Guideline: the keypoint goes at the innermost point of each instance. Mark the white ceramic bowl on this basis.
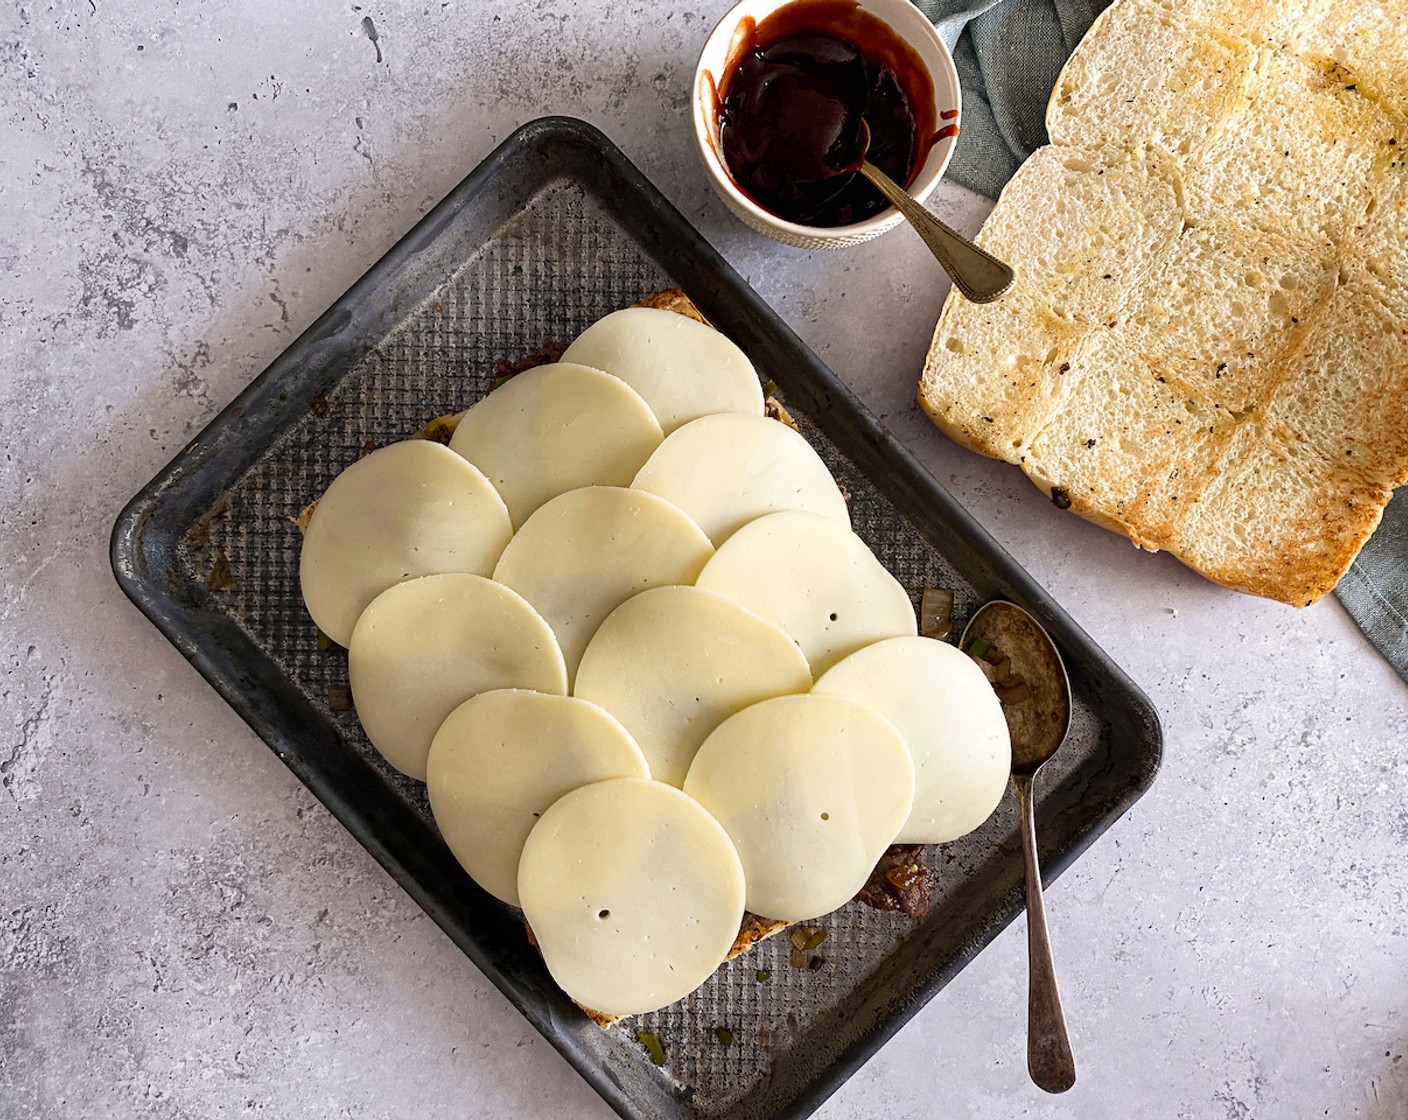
(910, 24)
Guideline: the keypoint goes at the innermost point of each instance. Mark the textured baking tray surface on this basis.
(555, 258)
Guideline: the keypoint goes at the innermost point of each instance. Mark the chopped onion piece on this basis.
(1014, 691)
(1001, 665)
(936, 613)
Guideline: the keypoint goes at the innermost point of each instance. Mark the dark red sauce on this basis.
(791, 101)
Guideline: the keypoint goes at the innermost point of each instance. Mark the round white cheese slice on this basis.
(812, 790)
(586, 552)
(501, 758)
(557, 428)
(675, 662)
(727, 469)
(814, 578)
(682, 368)
(633, 892)
(424, 647)
(950, 719)
(410, 509)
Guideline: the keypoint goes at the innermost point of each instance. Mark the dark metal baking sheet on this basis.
(553, 230)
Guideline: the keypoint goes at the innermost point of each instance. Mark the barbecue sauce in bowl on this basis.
(791, 101)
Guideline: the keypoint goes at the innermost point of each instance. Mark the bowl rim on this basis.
(923, 186)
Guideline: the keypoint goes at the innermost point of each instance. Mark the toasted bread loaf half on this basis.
(1207, 346)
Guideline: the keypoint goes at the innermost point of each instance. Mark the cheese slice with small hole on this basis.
(586, 552)
(812, 790)
(633, 892)
(410, 509)
(557, 428)
(814, 578)
(501, 758)
(951, 720)
(424, 647)
(727, 469)
(674, 662)
(683, 369)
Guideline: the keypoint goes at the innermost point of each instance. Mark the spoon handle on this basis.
(976, 273)
(1049, 1059)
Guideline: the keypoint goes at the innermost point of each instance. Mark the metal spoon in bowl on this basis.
(1038, 724)
(807, 142)
(975, 272)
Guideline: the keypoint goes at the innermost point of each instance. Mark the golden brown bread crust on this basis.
(442, 428)
(672, 299)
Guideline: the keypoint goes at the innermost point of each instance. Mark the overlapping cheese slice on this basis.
(814, 578)
(554, 429)
(586, 552)
(951, 720)
(425, 646)
(501, 758)
(683, 369)
(812, 790)
(410, 509)
(634, 894)
(727, 469)
(675, 662)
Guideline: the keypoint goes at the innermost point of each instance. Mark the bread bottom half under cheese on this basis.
(619, 733)
(753, 928)
(1207, 346)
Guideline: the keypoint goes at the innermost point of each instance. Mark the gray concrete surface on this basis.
(185, 932)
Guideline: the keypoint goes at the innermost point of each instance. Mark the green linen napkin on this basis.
(1009, 54)
(1375, 589)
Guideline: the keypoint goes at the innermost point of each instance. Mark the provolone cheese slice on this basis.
(424, 647)
(501, 758)
(554, 429)
(673, 663)
(585, 553)
(411, 509)
(812, 790)
(725, 470)
(950, 719)
(633, 892)
(814, 578)
(683, 369)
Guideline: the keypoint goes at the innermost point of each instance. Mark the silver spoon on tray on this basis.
(1036, 700)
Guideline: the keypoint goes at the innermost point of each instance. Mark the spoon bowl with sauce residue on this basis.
(780, 94)
(1030, 679)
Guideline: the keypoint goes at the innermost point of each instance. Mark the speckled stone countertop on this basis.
(185, 932)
